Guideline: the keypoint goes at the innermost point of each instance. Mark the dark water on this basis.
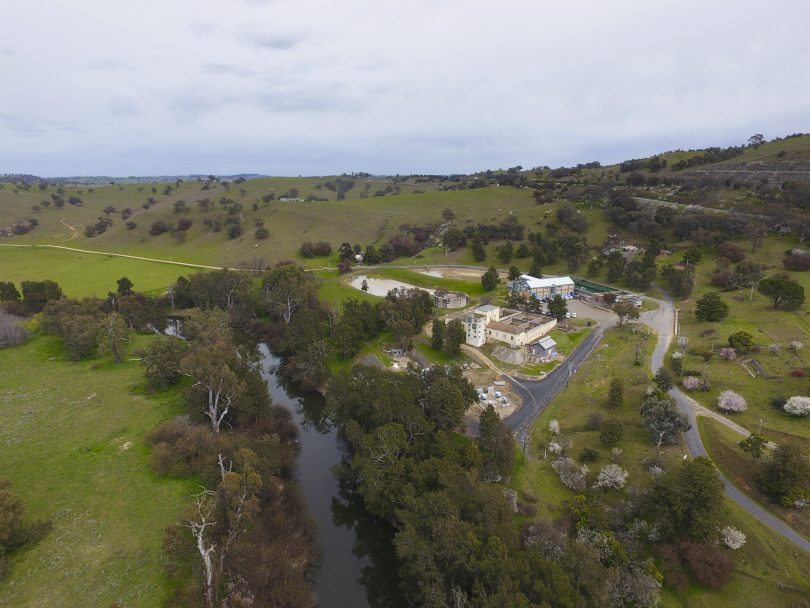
(357, 566)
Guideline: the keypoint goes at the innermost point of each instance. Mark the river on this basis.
(357, 566)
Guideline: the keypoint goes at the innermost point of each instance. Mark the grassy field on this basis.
(84, 274)
(721, 443)
(72, 443)
(768, 326)
(764, 561)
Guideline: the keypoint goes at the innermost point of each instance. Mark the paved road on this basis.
(662, 321)
(537, 394)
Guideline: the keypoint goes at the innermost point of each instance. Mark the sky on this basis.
(319, 87)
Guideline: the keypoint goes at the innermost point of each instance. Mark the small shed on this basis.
(545, 348)
(449, 299)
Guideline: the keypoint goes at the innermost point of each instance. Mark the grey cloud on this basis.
(226, 68)
(28, 125)
(111, 65)
(8, 53)
(276, 41)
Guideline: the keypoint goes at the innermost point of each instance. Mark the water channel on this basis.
(357, 566)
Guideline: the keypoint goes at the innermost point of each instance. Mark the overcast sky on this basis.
(313, 87)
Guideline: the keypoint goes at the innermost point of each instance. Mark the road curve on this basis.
(662, 321)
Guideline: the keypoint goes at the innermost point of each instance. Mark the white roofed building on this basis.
(542, 289)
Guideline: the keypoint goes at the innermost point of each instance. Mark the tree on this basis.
(729, 401)
(754, 444)
(8, 292)
(711, 308)
(161, 361)
(660, 416)
(514, 273)
(490, 279)
(570, 473)
(732, 538)
(437, 333)
(784, 293)
(454, 337)
(36, 294)
(692, 255)
(756, 140)
(218, 387)
(113, 333)
(616, 393)
(786, 476)
(557, 308)
(478, 251)
(612, 476)
(505, 252)
(124, 287)
(689, 499)
(797, 406)
(536, 270)
(497, 445)
(741, 341)
(612, 432)
(664, 379)
(625, 310)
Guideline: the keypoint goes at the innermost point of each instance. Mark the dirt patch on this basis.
(381, 287)
(125, 446)
(463, 274)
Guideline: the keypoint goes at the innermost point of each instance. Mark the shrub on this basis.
(234, 231)
(612, 476)
(261, 233)
(732, 538)
(588, 455)
(729, 401)
(798, 406)
(708, 564)
(159, 227)
(797, 262)
(711, 308)
(11, 331)
(183, 224)
(554, 427)
(594, 422)
(731, 251)
(690, 383)
(131, 225)
(728, 353)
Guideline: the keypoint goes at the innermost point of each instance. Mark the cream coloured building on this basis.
(512, 327)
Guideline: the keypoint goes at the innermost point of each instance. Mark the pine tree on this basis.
(616, 393)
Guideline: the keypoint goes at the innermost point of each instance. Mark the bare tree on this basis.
(199, 527)
(214, 379)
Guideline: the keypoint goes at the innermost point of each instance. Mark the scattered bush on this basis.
(690, 383)
(261, 233)
(159, 227)
(594, 421)
(797, 262)
(741, 341)
(612, 432)
(234, 231)
(728, 354)
(708, 563)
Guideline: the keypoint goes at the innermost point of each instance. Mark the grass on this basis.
(63, 446)
(757, 317)
(739, 467)
(83, 274)
(765, 560)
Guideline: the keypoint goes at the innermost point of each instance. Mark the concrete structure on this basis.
(450, 299)
(545, 348)
(543, 289)
(596, 293)
(513, 327)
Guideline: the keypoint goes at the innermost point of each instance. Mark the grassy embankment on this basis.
(73, 445)
(765, 561)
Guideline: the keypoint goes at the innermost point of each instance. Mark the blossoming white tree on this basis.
(611, 476)
(728, 353)
(554, 427)
(798, 406)
(729, 401)
(570, 473)
(732, 538)
(690, 383)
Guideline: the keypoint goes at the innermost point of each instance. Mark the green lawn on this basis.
(72, 444)
(85, 274)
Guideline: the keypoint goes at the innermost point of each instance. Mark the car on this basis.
(573, 315)
(568, 315)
